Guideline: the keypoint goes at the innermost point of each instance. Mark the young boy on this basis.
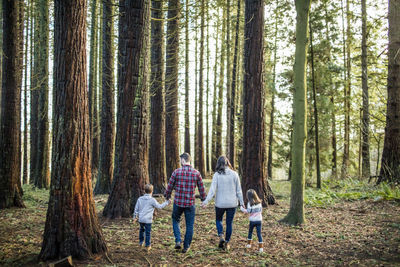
(144, 210)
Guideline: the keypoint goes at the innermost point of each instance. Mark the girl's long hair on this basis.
(252, 197)
(222, 163)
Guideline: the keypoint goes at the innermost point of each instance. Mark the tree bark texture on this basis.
(131, 135)
(107, 122)
(93, 85)
(214, 155)
(187, 121)
(253, 157)
(72, 227)
(232, 112)
(10, 127)
(228, 78)
(390, 166)
(366, 168)
(171, 87)
(42, 164)
(296, 211)
(200, 141)
(25, 144)
(157, 168)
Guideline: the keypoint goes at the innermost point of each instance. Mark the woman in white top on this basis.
(226, 187)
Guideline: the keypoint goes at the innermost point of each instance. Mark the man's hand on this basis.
(203, 205)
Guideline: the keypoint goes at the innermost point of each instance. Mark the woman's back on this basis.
(227, 189)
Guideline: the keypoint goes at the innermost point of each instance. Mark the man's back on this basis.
(184, 181)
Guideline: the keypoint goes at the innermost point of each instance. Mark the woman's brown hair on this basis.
(222, 163)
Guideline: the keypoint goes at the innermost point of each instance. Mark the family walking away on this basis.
(226, 189)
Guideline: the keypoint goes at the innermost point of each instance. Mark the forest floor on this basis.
(364, 232)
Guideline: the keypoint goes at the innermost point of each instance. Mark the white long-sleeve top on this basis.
(254, 212)
(226, 188)
(144, 208)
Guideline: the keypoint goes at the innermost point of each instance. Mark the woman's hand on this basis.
(203, 205)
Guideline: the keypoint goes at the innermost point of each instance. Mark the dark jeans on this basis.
(190, 213)
(219, 213)
(256, 224)
(145, 228)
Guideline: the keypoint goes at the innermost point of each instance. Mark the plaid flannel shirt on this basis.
(184, 181)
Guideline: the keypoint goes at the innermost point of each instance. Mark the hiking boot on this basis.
(227, 246)
(141, 244)
(248, 245)
(184, 250)
(260, 247)
(178, 246)
(221, 241)
(148, 248)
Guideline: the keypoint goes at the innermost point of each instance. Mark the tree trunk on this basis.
(187, 121)
(218, 139)
(332, 92)
(200, 141)
(296, 212)
(107, 122)
(196, 95)
(93, 85)
(232, 112)
(42, 169)
(10, 128)
(347, 98)
(214, 155)
(366, 169)
(208, 167)
(390, 166)
(158, 173)
(72, 226)
(272, 115)
(171, 87)
(228, 78)
(25, 145)
(314, 90)
(34, 106)
(253, 166)
(132, 78)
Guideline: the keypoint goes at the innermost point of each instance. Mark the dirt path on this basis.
(357, 233)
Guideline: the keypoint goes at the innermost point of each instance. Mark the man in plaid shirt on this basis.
(184, 181)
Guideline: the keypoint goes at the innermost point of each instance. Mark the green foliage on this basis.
(349, 190)
(33, 196)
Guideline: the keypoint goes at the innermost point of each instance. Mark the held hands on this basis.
(242, 208)
(203, 205)
(134, 220)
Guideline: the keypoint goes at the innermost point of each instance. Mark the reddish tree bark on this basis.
(72, 226)
(10, 131)
(253, 156)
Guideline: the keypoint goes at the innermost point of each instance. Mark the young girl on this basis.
(254, 209)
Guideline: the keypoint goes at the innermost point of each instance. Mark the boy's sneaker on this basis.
(178, 246)
(148, 248)
(184, 250)
(141, 244)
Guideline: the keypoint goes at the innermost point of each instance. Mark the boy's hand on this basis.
(134, 220)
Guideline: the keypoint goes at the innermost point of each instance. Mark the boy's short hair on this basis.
(148, 188)
(185, 156)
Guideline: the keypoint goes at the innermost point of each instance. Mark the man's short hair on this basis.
(148, 188)
(185, 156)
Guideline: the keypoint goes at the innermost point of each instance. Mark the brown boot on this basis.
(248, 245)
(260, 247)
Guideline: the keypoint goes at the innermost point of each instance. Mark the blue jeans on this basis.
(145, 228)
(256, 224)
(190, 213)
(219, 213)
